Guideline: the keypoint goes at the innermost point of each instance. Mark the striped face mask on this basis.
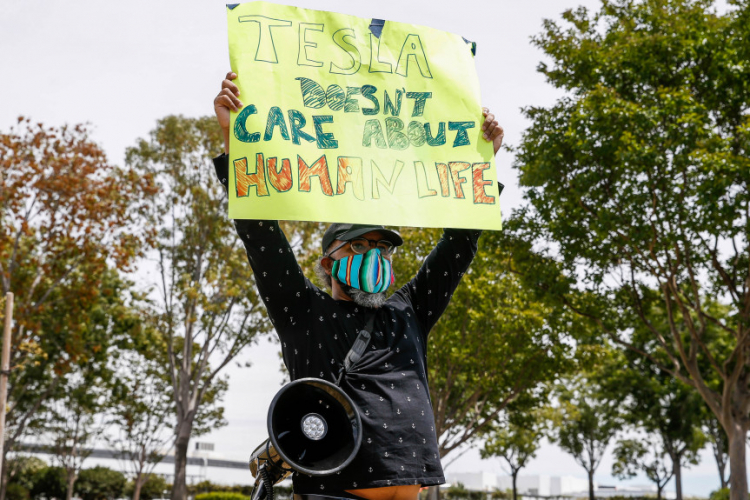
(369, 272)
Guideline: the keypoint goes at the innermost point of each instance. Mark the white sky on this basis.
(122, 65)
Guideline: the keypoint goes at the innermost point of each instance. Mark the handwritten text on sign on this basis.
(345, 123)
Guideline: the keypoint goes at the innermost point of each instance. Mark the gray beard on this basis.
(364, 299)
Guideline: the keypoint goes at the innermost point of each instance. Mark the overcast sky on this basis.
(122, 65)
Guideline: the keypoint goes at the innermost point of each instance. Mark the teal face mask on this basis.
(369, 272)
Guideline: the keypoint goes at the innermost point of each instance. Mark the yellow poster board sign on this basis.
(353, 120)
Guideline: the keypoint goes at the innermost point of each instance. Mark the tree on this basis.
(155, 486)
(74, 424)
(515, 343)
(668, 411)
(72, 417)
(586, 422)
(638, 181)
(673, 411)
(207, 309)
(141, 412)
(65, 219)
(633, 455)
(100, 483)
(517, 439)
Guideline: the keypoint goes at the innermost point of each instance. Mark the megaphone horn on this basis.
(313, 427)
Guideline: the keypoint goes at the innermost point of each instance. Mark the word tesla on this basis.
(345, 40)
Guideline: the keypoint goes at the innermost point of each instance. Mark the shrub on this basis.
(502, 494)
(221, 495)
(622, 497)
(209, 487)
(206, 487)
(154, 487)
(280, 491)
(720, 494)
(15, 491)
(50, 483)
(100, 483)
(22, 470)
(459, 492)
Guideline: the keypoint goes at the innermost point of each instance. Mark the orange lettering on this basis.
(480, 195)
(244, 179)
(320, 169)
(442, 170)
(456, 167)
(281, 181)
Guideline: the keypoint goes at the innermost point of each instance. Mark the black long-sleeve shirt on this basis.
(389, 383)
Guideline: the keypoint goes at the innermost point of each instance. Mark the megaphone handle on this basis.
(264, 489)
(259, 493)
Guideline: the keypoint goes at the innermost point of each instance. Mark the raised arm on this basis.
(431, 289)
(278, 275)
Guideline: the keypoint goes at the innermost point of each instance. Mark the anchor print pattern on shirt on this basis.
(389, 383)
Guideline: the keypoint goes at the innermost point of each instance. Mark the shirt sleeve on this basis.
(431, 289)
(281, 283)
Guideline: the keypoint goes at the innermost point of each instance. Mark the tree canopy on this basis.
(638, 187)
(517, 437)
(65, 215)
(207, 307)
(587, 420)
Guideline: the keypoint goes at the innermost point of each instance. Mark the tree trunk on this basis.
(737, 464)
(719, 465)
(140, 478)
(71, 482)
(4, 473)
(179, 488)
(591, 485)
(658, 490)
(677, 471)
(515, 476)
(717, 443)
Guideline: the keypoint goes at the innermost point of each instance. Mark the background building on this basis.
(549, 486)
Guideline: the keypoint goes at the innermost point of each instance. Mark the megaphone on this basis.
(313, 427)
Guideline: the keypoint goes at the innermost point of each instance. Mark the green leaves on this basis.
(65, 231)
(100, 483)
(634, 455)
(637, 184)
(204, 305)
(588, 420)
(638, 156)
(517, 437)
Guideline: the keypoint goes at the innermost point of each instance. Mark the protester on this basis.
(399, 451)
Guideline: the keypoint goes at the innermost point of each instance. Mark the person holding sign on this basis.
(399, 451)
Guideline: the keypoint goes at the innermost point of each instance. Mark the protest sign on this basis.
(353, 120)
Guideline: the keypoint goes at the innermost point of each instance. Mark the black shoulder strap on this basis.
(358, 349)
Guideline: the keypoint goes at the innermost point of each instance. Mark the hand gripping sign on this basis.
(356, 120)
